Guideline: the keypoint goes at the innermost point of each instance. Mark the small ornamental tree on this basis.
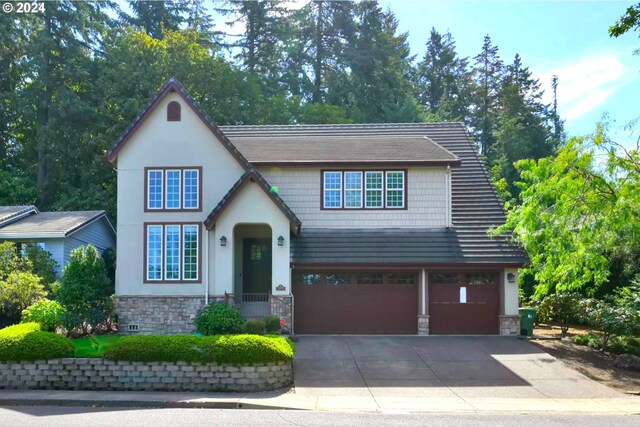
(609, 320)
(42, 264)
(563, 308)
(85, 291)
(18, 291)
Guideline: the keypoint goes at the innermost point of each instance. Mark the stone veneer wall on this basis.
(158, 315)
(509, 325)
(101, 374)
(423, 324)
(281, 306)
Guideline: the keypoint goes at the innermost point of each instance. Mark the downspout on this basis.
(206, 270)
(448, 215)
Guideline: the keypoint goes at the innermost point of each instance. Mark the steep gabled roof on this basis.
(9, 214)
(172, 85)
(50, 224)
(252, 175)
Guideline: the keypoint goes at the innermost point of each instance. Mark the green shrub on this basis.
(27, 342)
(18, 291)
(609, 320)
(45, 312)
(85, 291)
(563, 308)
(272, 323)
(255, 327)
(581, 339)
(42, 264)
(219, 318)
(224, 349)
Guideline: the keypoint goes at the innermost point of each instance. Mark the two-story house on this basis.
(352, 229)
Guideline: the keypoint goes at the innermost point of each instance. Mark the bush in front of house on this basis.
(609, 319)
(18, 291)
(272, 324)
(616, 345)
(218, 318)
(240, 349)
(254, 326)
(563, 308)
(45, 312)
(85, 291)
(26, 341)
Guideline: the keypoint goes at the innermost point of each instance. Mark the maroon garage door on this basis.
(463, 303)
(355, 303)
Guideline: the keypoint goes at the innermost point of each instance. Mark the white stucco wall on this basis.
(300, 189)
(251, 206)
(510, 292)
(160, 143)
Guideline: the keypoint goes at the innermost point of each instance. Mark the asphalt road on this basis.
(72, 416)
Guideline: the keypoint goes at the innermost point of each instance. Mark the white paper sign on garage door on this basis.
(463, 294)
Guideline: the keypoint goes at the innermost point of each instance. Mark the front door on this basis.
(256, 266)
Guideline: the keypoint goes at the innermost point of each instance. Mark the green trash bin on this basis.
(527, 318)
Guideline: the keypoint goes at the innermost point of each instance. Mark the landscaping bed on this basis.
(590, 362)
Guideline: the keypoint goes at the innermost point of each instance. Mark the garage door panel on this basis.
(355, 308)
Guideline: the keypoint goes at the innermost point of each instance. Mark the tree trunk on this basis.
(317, 66)
(43, 119)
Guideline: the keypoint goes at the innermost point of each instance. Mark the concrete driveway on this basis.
(462, 371)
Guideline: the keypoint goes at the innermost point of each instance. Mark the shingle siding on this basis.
(300, 189)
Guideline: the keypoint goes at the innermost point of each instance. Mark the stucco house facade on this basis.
(363, 229)
(59, 233)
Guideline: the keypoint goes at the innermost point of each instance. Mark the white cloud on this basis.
(586, 83)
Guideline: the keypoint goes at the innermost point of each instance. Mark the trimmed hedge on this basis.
(26, 342)
(222, 349)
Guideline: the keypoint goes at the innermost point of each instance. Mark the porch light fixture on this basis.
(511, 278)
(223, 241)
(280, 241)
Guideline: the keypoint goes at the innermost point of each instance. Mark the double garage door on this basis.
(388, 303)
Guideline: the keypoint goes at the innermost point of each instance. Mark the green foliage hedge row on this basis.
(222, 349)
(27, 342)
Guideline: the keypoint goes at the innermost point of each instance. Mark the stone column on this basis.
(281, 305)
(509, 325)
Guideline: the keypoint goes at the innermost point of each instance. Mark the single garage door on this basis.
(463, 303)
(355, 303)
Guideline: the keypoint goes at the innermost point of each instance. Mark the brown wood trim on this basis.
(384, 189)
(356, 164)
(181, 281)
(164, 173)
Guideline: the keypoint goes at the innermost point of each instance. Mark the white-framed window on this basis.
(374, 190)
(154, 252)
(191, 192)
(352, 190)
(155, 188)
(172, 252)
(173, 189)
(332, 190)
(395, 189)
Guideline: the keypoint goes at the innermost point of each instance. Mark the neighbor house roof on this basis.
(397, 149)
(49, 224)
(252, 176)
(10, 214)
(476, 206)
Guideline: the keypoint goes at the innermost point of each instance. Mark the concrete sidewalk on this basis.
(342, 403)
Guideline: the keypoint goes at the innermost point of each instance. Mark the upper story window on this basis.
(364, 189)
(174, 112)
(172, 189)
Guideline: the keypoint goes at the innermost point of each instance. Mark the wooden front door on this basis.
(256, 266)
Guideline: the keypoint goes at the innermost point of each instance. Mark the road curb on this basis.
(138, 404)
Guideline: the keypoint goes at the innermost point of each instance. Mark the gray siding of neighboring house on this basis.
(56, 248)
(98, 233)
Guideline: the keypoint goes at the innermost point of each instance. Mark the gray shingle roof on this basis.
(48, 224)
(341, 149)
(475, 204)
(11, 213)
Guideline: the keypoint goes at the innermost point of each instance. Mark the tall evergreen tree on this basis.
(487, 75)
(151, 16)
(442, 80)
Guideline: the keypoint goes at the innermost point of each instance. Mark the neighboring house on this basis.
(57, 232)
(375, 229)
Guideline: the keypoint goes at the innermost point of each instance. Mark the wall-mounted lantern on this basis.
(280, 241)
(511, 278)
(223, 241)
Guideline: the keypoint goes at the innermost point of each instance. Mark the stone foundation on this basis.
(157, 315)
(281, 306)
(423, 324)
(101, 374)
(510, 325)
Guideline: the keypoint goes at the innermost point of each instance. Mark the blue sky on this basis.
(597, 74)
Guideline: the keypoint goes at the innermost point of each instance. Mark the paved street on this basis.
(99, 417)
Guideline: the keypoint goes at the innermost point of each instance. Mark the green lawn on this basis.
(94, 346)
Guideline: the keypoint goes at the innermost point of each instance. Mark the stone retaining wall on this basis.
(101, 374)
